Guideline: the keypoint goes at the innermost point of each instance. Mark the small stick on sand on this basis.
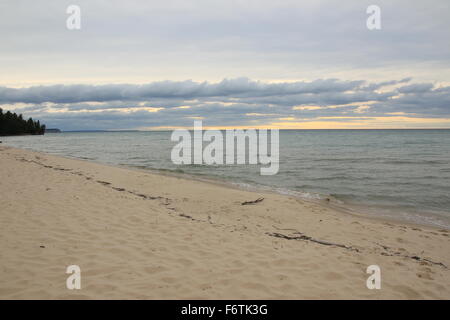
(252, 202)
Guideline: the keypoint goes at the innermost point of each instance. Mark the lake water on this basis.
(403, 174)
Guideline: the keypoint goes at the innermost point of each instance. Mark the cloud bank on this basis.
(239, 102)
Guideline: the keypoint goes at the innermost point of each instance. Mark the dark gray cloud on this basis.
(416, 88)
(241, 87)
(231, 102)
(375, 86)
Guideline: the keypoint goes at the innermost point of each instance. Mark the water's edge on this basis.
(398, 175)
(326, 201)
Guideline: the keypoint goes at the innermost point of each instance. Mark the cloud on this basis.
(230, 102)
(135, 41)
(375, 86)
(416, 88)
(240, 87)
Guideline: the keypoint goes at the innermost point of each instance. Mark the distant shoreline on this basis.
(349, 129)
(22, 134)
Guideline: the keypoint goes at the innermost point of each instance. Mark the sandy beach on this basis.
(139, 235)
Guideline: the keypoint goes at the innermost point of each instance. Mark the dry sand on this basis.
(140, 235)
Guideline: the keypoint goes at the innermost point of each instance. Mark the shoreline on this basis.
(345, 207)
(138, 234)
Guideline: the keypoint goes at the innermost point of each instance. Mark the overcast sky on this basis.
(287, 64)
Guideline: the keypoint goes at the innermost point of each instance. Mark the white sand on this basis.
(194, 240)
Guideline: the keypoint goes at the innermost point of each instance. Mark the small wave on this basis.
(422, 162)
(350, 160)
(341, 178)
(283, 191)
(170, 170)
(301, 194)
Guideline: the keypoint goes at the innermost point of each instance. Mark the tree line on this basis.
(13, 124)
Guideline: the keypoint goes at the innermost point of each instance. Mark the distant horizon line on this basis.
(322, 129)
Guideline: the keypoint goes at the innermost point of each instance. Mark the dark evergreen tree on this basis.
(13, 124)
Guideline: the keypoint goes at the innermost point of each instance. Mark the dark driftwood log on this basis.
(252, 202)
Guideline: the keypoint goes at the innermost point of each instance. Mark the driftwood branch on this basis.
(252, 202)
(389, 252)
(300, 236)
